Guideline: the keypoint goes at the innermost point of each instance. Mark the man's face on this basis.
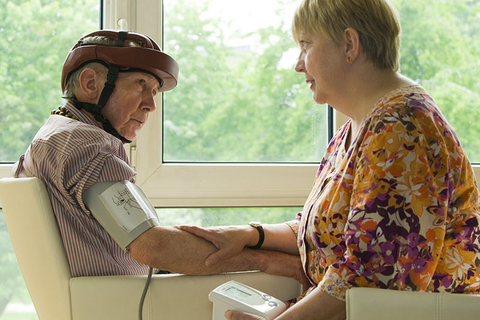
(131, 102)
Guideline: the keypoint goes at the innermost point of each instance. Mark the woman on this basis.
(395, 204)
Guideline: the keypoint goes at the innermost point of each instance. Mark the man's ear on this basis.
(352, 41)
(89, 85)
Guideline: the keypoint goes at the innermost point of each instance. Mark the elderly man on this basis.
(107, 225)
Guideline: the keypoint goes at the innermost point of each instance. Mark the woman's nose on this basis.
(300, 65)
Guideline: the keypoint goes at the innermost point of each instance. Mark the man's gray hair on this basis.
(73, 81)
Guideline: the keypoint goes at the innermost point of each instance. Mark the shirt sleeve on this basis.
(396, 224)
(90, 164)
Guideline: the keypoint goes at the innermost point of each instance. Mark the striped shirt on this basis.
(69, 156)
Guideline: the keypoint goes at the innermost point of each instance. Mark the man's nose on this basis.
(148, 103)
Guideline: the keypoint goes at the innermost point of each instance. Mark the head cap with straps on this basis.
(146, 57)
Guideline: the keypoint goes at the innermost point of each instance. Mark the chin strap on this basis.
(96, 109)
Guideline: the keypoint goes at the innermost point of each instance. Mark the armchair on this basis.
(57, 296)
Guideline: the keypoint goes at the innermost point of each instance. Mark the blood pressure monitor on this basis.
(234, 295)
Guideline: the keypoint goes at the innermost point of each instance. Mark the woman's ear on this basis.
(352, 48)
(89, 85)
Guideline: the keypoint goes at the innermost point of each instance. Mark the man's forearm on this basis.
(178, 251)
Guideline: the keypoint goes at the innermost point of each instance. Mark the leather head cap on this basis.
(148, 56)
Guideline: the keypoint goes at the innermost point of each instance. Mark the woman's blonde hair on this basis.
(376, 22)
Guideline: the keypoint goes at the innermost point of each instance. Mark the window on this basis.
(440, 50)
(238, 98)
(36, 36)
(225, 216)
(185, 156)
(241, 128)
(194, 153)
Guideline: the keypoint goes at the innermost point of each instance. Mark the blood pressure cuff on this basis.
(122, 209)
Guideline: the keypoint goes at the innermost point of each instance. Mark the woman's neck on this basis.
(366, 94)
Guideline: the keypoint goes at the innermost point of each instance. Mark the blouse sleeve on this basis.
(294, 224)
(396, 223)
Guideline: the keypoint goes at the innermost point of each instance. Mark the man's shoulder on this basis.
(67, 137)
(62, 129)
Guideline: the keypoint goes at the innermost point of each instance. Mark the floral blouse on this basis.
(398, 210)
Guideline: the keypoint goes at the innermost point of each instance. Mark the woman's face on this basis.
(322, 62)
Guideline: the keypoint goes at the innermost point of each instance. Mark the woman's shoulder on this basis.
(407, 106)
(412, 96)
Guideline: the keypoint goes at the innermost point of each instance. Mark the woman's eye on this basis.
(303, 44)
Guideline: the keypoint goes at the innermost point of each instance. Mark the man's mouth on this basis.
(139, 121)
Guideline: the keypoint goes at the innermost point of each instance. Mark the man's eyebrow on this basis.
(151, 77)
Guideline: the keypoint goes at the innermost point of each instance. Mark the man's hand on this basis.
(282, 264)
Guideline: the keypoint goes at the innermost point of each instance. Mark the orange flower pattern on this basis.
(398, 210)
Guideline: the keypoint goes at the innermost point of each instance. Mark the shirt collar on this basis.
(80, 115)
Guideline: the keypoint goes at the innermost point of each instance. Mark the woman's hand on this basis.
(229, 241)
(237, 315)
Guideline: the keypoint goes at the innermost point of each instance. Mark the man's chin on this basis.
(128, 136)
(131, 138)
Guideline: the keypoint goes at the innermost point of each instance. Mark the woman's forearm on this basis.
(280, 237)
(317, 305)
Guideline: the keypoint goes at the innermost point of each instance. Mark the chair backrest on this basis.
(39, 249)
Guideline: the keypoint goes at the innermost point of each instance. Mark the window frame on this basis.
(173, 185)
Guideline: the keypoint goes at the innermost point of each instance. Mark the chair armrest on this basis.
(370, 303)
(171, 296)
